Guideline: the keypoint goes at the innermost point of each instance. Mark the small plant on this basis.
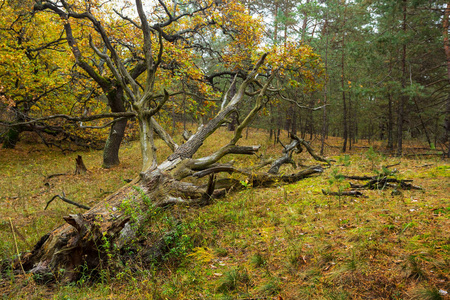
(221, 252)
(233, 280)
(271, 288)
(295, 257)
(428, 293)
(373, 156)
(258, 260)
(178, 241)
(338, 179)
(413, 268)
(345, 160)
(202, 254)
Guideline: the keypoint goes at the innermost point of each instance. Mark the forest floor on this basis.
(283, 242)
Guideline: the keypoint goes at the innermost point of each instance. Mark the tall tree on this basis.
(445, 29)
(76, 243)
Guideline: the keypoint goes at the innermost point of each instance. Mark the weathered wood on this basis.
(286, 158)
(82, 240)
(382, 182)
(344, 193)
(310, 149)
(80, 168)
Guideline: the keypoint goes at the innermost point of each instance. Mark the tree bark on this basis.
(233, 116)
(86, 239)
(117, 131)
(403, 98)
(344, 107)
(344, 101)
(325, 88)
(445, 25)
(390, 144)
(80, 168)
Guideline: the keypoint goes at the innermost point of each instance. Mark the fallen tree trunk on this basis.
(82, 240)
(86, 239)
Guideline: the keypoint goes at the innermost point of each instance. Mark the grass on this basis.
(289, 241)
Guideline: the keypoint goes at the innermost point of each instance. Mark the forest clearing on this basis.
(290, 241)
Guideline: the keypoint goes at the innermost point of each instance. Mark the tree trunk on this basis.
(275, 18)
(294, 120)
(234, 116)
(403, 98)
(350, 121)
(445, 25)
(390, 144)
(117, 131)
(87, 238)
(311, 118)
(344, 101)
(344, 107)
(12, 136)
(325, 89)
(80, 168)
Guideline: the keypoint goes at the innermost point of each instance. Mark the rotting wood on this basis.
(288, 150)
(393, 165)
(386, 183)
(80, 167)
(344, 193)
(286, 158)
(380, 182)
(310, 149)
(377, 182)
(81, 240)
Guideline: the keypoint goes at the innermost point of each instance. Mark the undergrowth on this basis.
(289, 241)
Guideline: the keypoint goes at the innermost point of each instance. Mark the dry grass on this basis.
(290, 241)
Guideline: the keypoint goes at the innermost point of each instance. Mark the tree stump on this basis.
(80, 168)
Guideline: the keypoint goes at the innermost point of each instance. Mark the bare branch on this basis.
(151, 112)
(301, 106)
(225, 97)
(164, 135)
(104, 126)
(310, 149)
(74, 119)
(251, 115)
(116, 72)
(204, 162)
(63, 198)
(127, 19)
(147, 49)
(191, 146)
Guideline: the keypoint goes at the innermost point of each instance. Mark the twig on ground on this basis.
(63, 198)
(344, 193)
(55, 175)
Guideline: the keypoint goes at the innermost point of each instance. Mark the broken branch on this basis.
(63, 198)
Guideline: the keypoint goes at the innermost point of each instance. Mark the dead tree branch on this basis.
(310, 149)
(344, 193)
(63, 198)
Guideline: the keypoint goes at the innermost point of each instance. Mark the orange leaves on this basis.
(241, 32)
(298, 65)
(5, 99)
